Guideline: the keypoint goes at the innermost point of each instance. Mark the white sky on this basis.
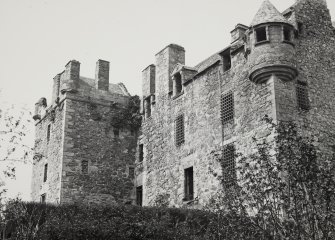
(38, 37)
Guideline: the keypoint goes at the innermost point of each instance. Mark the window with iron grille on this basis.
(140, 158)
(45, 177)
(179, 130)
(139, 195)
(228, 165)
(188, 184)
(302, 95)
(84, 166)
(227, 108)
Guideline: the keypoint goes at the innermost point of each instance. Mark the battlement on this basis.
(69, 84)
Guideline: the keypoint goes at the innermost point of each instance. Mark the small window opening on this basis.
(179, 130)
(139, 196)
(84, 166)
(302, 95)
(131, 172)
(261, 34)
(178, 84)
(45, 177)
(287, 34)
(226, 61)
(227, 108)
(116, 132)
(300, 27)
(140, 149)
(48, 132)
(148, 107)
(43, 198)
(229, 173)
(188, 184)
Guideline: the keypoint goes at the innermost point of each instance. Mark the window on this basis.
(48, 132)
(84, 166)
(139, 195)
(287, 34)
(261, 34)
(45, 177)
(226, 61)
(43, 198)
(302, 95)
(131, 172)
(140, 150)
(148, 107)
(227, 108)
(116, 132)
(188, 184)
(229, 173)
(178, 87)
(179, 130)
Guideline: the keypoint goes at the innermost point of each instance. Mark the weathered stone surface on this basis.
(83, 137)
(310, 52)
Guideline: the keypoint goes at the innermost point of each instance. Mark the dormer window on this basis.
(178, 87)
(287, 34)
(261, 34)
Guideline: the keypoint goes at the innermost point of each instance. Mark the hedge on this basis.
(27, 220)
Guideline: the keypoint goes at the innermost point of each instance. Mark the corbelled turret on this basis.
(271, 44)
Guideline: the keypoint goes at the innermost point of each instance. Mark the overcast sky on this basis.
(38, 37)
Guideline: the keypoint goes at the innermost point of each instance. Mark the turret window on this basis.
(287, 34)
(261, 34)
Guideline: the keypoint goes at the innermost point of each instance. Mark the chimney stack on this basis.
(70, 77)
(102, 75)
(55, 88)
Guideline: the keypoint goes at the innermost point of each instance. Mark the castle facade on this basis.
(282, 66)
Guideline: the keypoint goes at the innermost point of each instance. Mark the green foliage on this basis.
(38, 221)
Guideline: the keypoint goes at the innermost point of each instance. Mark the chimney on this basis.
(148, 80)
(238, 33)
(55, 88)
(40, 109)
(102, 75)
(70, 77)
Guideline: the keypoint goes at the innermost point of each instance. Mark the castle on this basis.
(282, 65)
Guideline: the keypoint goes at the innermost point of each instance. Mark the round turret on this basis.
(271, 45)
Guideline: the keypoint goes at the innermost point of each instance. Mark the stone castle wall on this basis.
(109, 152)
(48, 152)
(162, 171)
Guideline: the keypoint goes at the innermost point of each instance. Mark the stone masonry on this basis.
(81, 155)
(261, 71)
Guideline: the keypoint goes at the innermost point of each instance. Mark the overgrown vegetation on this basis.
(286, 188)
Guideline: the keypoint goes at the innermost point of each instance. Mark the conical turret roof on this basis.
(268, 13)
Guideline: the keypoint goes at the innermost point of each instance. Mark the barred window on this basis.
(84, 166)
(45, 177)
(179, 130)
(229, 173)
(302, 95)
(227, 108)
